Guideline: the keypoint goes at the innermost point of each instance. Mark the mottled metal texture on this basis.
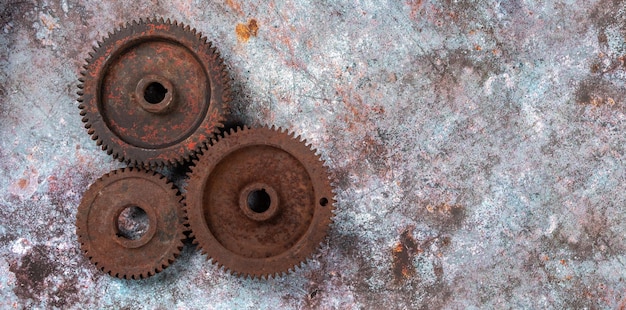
(153, 92)
(112, 249)
(259, 202)
(478, 148)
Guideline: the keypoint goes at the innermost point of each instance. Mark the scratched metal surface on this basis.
(477, 148)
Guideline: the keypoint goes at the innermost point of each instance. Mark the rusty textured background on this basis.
(477, 148)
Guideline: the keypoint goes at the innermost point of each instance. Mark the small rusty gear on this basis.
(259, 202)
(114, 248)
(154, 93)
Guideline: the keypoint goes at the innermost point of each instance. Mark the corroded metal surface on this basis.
(478, 151)
(259, 202)
(153, 93)
(122, 250)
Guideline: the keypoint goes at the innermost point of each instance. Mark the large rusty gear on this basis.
(131, 254)
(154, 93)
(259, 202)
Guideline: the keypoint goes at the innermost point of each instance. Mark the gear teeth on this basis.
(172, 159)
(240, 133)
(82, 217)
(195, 155)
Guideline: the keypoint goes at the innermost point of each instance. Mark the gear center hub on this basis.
(259, 201)
(122, 236)
(155, 94)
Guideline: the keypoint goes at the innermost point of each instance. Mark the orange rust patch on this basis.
(22, 183)
(403, 253)
(597, 101)
(253, 26)
(445, 209)
(245, 31)
(235, 6)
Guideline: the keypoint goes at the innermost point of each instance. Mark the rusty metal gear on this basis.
(259, 202)
(154, 93)
(123, 250)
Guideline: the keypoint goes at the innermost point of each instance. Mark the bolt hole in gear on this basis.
(272, 213)
(154, 93)
(324, 202)
(259, 201)
(132, 223)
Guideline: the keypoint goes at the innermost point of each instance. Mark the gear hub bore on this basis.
(259, 202)
(154, 93)
(110, 230)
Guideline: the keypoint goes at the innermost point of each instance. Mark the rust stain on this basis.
(236, 6)
(445, 209)
(245, 31)
(403, 253)
(22, 183)
(47, 21)
(597, 101)
(416, 6)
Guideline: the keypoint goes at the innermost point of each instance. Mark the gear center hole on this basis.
(259, 201)
(132, 223)
(155, 93)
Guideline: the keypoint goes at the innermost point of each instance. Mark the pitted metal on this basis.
(101, 218)
(259, 202)
(154, 93)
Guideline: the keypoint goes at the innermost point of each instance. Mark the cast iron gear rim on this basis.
(259, 202)
(101, 239)
(154, 93)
